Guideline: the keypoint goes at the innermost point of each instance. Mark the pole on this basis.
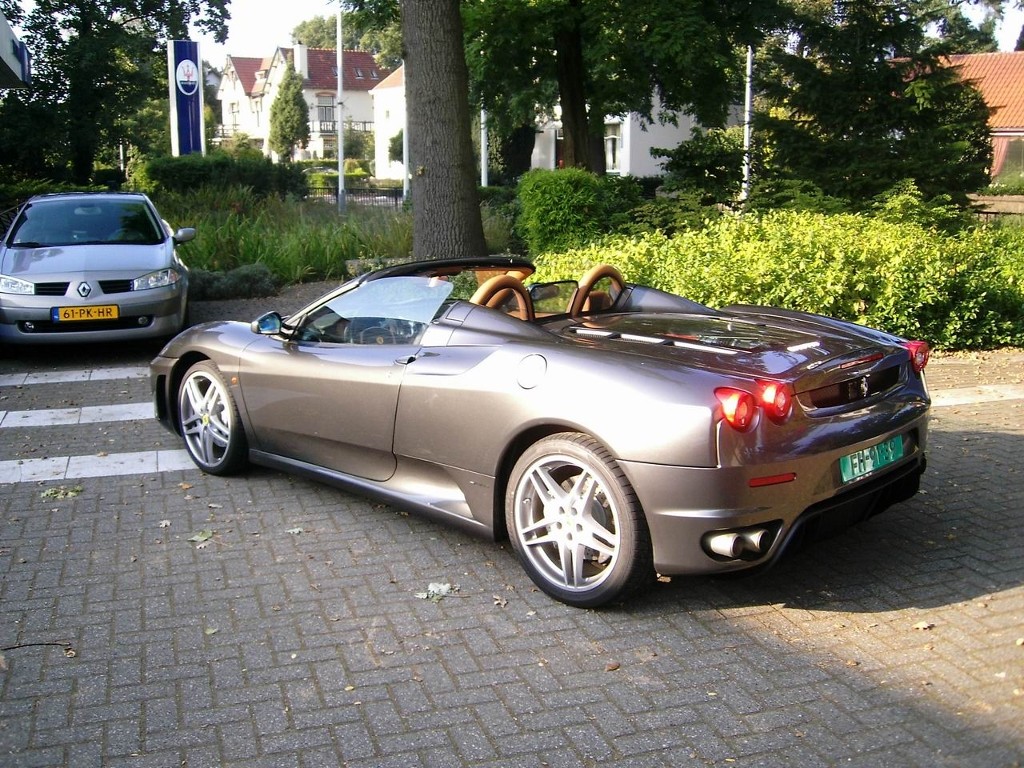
(340, 116)
(748, 108)
(484, 149)
(405, 145)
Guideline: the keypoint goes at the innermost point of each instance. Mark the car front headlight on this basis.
(160, 279)
(14, 285)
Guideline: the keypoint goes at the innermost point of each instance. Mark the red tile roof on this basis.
(246, 69)
(361, 70)
(1000, 78)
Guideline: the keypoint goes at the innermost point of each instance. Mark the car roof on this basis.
(105, 195)
(442, 267)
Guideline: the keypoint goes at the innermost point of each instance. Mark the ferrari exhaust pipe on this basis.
(729, 545)
(733, 544)
(755, 539)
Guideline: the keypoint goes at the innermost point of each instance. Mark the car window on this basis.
(83, 221)
(394, 310)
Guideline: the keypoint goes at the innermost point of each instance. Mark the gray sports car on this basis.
(91, 267)
(611, 431)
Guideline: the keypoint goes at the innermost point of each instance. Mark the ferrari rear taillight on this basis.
(740, 407)
(776, 400)
(919, 353)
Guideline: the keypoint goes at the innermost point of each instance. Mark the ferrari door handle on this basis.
(414, 358)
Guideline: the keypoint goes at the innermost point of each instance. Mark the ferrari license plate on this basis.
(99, 312)
(868, 460)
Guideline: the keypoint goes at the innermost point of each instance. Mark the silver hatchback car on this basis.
(91, 267)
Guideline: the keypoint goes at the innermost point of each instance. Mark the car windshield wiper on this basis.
(27, 244)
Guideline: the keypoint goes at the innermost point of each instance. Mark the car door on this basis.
(328, 395)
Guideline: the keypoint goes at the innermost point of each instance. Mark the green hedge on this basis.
(570, 207)
(957, 291)
(222, 170)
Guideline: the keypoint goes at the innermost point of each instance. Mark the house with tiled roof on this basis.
(249, 86)
(628, 139)
(240, 113)
(1000, 79)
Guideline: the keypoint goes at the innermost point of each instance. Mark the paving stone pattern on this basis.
(289, 633)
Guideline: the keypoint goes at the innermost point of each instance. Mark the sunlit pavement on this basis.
(155, 616)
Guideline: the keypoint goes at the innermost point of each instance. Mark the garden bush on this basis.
(957, 291)
(570, 207)
(223, 170)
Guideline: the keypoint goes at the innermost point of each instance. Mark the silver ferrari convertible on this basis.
(611, 431)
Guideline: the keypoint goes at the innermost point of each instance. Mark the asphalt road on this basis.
(155, 616)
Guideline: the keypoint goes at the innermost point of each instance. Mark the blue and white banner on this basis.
(185, 78)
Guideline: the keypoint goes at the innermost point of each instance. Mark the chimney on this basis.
(302, 60)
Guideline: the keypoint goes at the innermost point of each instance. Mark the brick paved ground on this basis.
(293, 636)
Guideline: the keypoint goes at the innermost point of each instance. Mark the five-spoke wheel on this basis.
(575, 522)
(214, 437)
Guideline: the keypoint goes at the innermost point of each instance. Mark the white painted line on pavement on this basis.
(109, 465)
(60, 377)
(91, 414)
(983, 393)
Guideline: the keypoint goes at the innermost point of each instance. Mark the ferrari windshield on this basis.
(400, 298)
(82, 221)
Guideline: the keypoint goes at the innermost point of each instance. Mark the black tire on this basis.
(576, 524)
(210, 424)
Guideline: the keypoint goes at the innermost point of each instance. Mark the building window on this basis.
(325, 109)
(612, 146)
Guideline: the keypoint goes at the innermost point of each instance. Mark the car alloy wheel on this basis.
(575, 522)
(209, 421)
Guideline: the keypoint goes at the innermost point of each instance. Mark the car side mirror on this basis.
(184, 234)
(269, 324)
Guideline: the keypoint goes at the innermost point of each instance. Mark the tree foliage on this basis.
(362, 31)
(319, 32)
(289, 116)
(854, 100)
(595, 58)
(95, 63)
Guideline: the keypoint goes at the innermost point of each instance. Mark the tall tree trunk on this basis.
(571, 92)
(446, 205)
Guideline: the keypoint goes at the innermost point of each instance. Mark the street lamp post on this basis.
(340, 115)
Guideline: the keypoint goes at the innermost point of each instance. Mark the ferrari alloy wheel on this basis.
(209, 420)
(575, 522)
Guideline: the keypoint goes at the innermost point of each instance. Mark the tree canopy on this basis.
(594, 58)
(95, 64)
(289, 116)
(855, 100)
(361, 31)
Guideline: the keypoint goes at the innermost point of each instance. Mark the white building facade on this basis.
(249, 85)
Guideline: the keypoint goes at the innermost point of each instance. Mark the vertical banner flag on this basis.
(185, 78)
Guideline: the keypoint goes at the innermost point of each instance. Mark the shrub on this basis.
(245, 282)
(222, 170)
(957, 291)
(559, 209)
(570, 207)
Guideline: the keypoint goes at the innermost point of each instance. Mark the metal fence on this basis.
(381, 198)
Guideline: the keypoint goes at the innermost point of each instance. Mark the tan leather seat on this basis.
(586, 299)
(496, 291)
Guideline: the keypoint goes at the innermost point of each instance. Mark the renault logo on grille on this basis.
(84, 290)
